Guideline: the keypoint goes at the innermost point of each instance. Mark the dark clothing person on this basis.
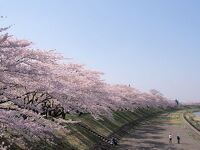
(113, 141)
(178, 139)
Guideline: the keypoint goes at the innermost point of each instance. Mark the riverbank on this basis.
(197, 116)
(96, 134)
(154, 134)
(192, 119)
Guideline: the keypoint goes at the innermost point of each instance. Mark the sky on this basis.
(149, 44)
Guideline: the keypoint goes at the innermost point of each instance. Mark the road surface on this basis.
(153, 135)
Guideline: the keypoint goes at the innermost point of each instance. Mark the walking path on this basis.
(153, 135)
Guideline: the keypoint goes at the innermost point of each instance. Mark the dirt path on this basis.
(153, 135)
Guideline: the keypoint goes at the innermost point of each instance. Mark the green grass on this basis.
(191, 118)
(82, 139)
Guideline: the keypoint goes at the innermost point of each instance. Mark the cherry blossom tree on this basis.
(39, 83)
(38, 79)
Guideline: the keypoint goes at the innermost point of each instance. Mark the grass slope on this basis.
(84, 139)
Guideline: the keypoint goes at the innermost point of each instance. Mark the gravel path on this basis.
(153, 135)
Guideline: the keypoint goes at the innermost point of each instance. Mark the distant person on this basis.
(170, 138)
(113, 141)
(178, 139)
(110, 142)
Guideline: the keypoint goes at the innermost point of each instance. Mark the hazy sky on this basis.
(145, 43)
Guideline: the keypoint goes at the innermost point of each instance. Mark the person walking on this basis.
(178, 139)
(170, 138)
(113, 141)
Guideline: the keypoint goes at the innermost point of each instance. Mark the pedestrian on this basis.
(170, 138)
(178, 139)
(115, 141)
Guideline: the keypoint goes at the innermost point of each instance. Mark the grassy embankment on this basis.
(90, 132)
(192, 119)
(171, 118)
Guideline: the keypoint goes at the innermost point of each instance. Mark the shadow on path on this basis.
(153, 135)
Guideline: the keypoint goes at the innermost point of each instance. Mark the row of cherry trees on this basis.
(39, 82)
(34, 79)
